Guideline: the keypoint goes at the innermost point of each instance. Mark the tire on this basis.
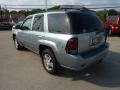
(17, 45)
(49, 61)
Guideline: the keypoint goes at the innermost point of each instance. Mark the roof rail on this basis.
(77, 7)
(71, 7)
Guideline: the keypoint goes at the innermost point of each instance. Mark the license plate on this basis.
(95, 41)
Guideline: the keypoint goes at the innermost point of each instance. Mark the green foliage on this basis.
(33, 11)
(112, 12)
(54, 8)
(101, 14)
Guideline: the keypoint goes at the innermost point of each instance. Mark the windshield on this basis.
(83, 22)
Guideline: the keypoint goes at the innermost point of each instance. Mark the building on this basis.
(16, 16)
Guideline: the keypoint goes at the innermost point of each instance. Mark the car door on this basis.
(23, 36)
(37, 32)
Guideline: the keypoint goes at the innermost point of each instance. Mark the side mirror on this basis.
(24, 28)
(17, 27)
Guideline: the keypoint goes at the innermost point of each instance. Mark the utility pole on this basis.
(0, 13)
(46, 5)
(5, 13)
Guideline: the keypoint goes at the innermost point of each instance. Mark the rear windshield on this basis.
(58, 23)
(112, 18)
(83, 22)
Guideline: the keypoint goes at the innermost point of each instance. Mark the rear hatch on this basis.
(88, 28)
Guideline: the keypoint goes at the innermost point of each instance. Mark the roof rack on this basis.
(76, 7)
(71, 7)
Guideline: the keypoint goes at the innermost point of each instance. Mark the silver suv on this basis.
(73, 39)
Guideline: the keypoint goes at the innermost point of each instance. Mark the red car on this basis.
(112, 25)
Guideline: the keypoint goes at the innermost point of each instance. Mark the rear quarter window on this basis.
(58, 23)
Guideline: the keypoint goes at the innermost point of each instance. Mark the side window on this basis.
(58, 23)
(27, 24)
(38, 23)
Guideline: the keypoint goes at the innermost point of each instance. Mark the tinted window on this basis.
(84, 22)
(27, 23)
(109, 18)
(58, 23)
(38, 23)
(112, 18)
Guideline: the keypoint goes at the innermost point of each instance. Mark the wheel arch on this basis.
(43, 47)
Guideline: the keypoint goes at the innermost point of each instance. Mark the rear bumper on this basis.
(81, 61)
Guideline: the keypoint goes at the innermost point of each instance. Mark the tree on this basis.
(101, 14)
(33, 11)
(54, 8)
(112, 12)
(0, 13)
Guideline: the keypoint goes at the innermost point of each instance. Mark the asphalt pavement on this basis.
(23, 70)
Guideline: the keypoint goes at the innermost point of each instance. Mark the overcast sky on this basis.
(59, 1)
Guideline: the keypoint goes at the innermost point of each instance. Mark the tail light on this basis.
(72, 46)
